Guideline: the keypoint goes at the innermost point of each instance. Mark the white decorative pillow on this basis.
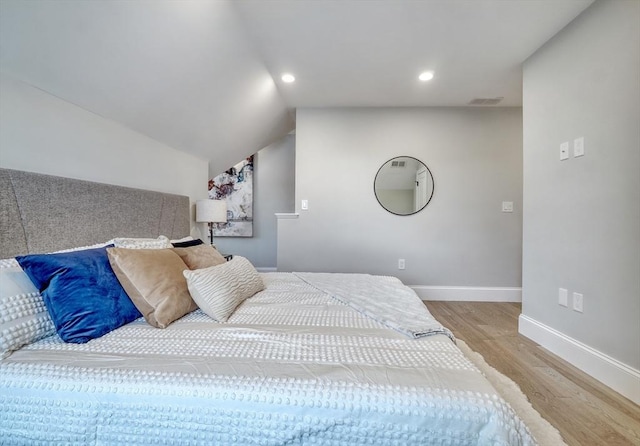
(80, 248)
(218, 290)
(23, 316)
(142, 243)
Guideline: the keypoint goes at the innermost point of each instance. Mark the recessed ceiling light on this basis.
(288, 78)
(426, 76)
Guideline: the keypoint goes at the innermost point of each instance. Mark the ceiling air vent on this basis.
(398, 163)
(486, 101)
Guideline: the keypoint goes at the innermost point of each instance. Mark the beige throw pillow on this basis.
(200, 256)
(153, 280)
(219, 290)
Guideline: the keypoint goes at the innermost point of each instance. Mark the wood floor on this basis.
(585, 411)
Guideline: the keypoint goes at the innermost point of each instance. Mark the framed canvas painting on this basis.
(235, 186)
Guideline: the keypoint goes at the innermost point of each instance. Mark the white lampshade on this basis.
(214, 211)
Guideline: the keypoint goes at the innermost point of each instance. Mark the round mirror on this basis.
(403, 185)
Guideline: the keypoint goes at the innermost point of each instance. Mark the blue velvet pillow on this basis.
(81, 293)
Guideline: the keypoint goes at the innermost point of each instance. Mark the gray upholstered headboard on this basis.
(43, 213)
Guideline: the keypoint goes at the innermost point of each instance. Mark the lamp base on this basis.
(211, 234)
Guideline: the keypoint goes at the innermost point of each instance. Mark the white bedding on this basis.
(383, 298)
(291, 366)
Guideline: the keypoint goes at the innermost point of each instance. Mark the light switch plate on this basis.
(304, 205)
(507, 206)
(564, 151)
(578, 147)
(563, 297)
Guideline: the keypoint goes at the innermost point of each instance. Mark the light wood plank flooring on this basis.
(585, 411)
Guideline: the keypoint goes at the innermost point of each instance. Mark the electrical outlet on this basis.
(564, 151)
(578, 299)
(563, 297)
(401, 264)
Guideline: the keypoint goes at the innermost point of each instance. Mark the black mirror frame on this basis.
(433, 181)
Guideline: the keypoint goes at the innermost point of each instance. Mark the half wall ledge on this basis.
(286, 215)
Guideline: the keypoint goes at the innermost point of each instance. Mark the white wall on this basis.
(460, 239)
(273, 191)
(44, 134)
(582, 215)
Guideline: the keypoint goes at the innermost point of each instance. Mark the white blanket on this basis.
(291, 366)
(382, 298)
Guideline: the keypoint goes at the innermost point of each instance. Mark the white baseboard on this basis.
(468, 294)
(611, 372)
(266, 269)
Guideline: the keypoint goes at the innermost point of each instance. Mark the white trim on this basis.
(266, 269)
(286, 215)
(611, 372)
(468, 293)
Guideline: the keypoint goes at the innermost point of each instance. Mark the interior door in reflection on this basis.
(422, 186)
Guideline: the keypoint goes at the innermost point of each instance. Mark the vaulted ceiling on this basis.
(203, 76)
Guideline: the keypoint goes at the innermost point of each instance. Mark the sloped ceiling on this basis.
(203, 76)
(183, 73)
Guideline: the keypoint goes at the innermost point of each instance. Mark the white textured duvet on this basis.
(293, 365)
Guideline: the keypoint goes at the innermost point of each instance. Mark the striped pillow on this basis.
(218, 290)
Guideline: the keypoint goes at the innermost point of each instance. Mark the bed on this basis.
(310, 358)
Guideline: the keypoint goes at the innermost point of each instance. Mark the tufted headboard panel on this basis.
(43, 213)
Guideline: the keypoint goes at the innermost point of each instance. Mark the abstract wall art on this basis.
(235, 186)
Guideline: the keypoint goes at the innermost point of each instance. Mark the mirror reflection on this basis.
(403, 185)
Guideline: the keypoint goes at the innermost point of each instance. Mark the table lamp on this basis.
(211, 211)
